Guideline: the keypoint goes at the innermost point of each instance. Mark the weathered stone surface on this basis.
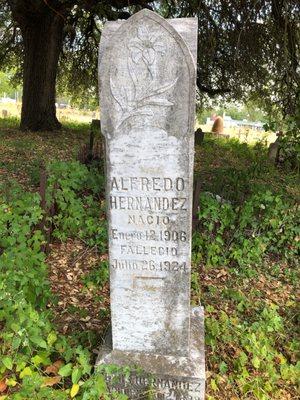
(218, 126)
(147, 77)
(165, 377)
(147, 81)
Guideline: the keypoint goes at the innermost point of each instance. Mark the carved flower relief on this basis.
(145, 46)
(147, 90)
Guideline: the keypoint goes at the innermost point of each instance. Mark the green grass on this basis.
(22, 153)
(9, 123)
(235, 170)
(249, 297)
(251, 307)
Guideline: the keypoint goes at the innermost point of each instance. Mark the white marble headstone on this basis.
(147, 79)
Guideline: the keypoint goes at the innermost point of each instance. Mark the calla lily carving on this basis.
(142, 49)
(145, 46)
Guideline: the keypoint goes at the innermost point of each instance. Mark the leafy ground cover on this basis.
(54, 308)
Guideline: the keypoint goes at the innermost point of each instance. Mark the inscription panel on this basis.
(138, 387)
(149, 258)
(147, 108)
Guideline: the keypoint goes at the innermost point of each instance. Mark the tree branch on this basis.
(210, 91)
(119, 4)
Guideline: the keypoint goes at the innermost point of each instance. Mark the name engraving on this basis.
(140, 203)
(136, 387)
(147, 184)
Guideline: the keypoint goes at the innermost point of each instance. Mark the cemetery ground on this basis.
(54, 304)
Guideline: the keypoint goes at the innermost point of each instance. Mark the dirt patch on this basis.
(79, 306)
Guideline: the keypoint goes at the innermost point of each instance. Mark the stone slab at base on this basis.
(164, 377)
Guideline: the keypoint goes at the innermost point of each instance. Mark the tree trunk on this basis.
(43, 36)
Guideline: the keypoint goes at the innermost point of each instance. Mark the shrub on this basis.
(29, 341)
(76, 192)
(241, 235)
(255, 363)
(22, 263)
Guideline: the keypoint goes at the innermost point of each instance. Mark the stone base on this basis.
(162, 377)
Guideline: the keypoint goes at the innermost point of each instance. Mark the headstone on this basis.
(218, 126)
(274, 149)
(147, 73)
(199, 136)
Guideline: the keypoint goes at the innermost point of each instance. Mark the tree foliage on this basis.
(247, 49)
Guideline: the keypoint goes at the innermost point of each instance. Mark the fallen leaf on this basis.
(51, 381)
(3, 386)
(222, 272)
(74, 390)
(53, 369)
